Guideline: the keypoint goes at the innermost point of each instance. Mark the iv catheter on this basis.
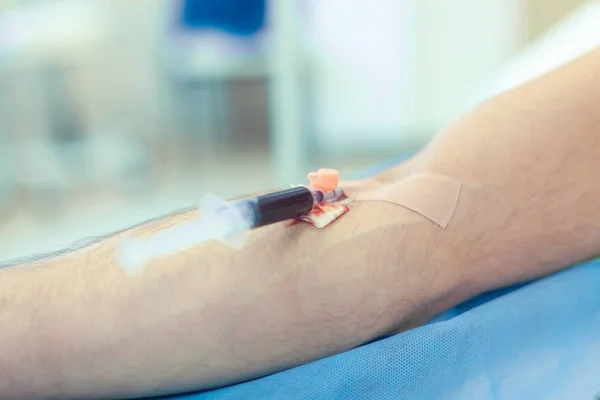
(226, 222)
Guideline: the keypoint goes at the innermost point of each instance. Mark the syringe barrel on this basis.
(327, 195)
(281, 206)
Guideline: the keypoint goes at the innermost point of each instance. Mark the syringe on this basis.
(226, 221)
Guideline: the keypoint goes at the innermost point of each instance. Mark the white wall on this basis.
(365, 77)
(397, 70)
(465, 42)
(575, 35)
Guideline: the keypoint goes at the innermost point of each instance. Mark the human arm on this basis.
(213, 315)
(529, 163)
(80, 327)
(529, 160)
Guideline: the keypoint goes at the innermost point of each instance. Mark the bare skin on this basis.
(76, 326)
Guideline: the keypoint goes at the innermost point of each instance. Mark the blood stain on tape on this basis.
(322, 215)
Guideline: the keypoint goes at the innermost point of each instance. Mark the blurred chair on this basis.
(211, 44)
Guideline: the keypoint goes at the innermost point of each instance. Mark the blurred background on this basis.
(116, 111)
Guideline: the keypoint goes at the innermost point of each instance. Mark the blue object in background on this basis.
(539, 340)
(239, 17)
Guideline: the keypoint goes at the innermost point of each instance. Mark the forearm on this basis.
(529, 161)
(213, 315)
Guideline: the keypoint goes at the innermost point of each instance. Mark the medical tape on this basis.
(432, 195)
